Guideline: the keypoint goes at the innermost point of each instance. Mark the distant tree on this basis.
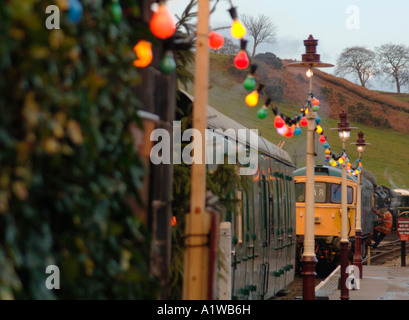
(261, 28)
(393, 60)
(358, 61)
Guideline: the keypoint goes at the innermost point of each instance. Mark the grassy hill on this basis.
(383, 117)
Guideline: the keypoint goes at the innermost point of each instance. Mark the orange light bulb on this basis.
(143, 51)
(216, 40)
(162, 23)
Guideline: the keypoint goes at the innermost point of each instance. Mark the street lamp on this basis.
(309, 60)
(360, 146)
(344, 132)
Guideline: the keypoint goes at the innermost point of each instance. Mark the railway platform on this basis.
(377, 283)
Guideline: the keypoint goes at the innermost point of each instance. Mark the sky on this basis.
(337, 24)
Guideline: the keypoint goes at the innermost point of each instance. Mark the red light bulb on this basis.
(289, 132)
(278, 122)
(216, 40)
(304, 122)
(322, 139)
(315, 101)
(241, 61)
(162, 23)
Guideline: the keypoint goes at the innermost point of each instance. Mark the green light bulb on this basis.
(249, 83)
(116, 11)
(167, 64)
(262, 112)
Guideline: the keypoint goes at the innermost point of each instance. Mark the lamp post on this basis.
(360, 146)
(309, 60)
(344, 132)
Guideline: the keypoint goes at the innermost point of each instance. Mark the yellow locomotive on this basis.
(328, 211)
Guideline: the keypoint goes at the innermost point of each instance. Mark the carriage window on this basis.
(320, 192)
(336, 193)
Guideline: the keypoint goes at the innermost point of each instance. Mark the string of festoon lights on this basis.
(163, 26)
(291, 126)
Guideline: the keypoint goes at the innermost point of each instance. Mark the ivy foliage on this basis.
(68, 166)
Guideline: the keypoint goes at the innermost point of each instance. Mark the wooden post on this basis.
(198, 221)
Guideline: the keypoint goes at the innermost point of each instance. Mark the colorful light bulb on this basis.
(318, 129)
(262, 112)
(74, 10)
(250, 82)
(167, 64)
(322, 139)
(278, 122)
(297, 130)
(116, 11)
(304, 122)
(162, 23)
(216, 40)
(252, 98)
(238, 31)
(290, 132)
(241, 61)
(315, 101)
(283, 130)
(143, 51)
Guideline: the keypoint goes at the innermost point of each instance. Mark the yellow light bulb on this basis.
(319, 129)
(237, 29)
(252, 98)
(340, 161)
(309, 73)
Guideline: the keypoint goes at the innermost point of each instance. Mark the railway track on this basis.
(383, 253)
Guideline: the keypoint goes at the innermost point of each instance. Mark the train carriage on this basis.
(263, 226)
(328, 211)
(263, 246)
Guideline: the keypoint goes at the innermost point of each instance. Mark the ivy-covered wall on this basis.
(68, 166)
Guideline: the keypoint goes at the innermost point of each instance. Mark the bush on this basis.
(68, 168)
(271, 59)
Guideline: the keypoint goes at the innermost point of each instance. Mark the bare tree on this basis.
(358, 61)
(262, 29)
(394, 62)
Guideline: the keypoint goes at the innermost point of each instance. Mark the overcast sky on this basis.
(337, 24)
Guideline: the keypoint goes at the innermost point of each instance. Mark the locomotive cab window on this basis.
(336, 193)
(320, 192)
